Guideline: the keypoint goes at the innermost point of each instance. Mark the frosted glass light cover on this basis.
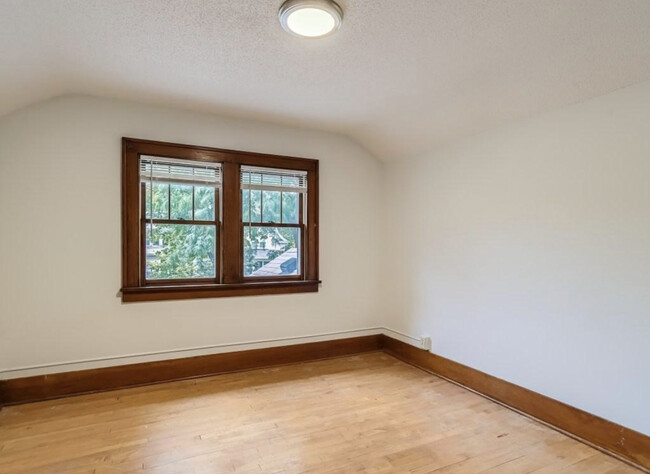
(311, 22)
(310, 18)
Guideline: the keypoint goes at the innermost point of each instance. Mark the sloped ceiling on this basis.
(400, 77)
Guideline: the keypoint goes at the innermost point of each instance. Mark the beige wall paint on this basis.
(60, 241)
(525, 253)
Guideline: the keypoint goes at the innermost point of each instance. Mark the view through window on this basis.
(201, 222)
(272, 217)
(180, 218)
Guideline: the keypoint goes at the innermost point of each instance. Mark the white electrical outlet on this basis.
(425, 343)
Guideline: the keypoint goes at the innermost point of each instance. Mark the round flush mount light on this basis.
(310, 18)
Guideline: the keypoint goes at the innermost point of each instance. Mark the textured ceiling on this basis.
(400, 77)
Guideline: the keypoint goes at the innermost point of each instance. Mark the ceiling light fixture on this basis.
(310, 18)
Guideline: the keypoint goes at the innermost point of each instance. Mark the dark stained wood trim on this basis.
(130, 216)
(232, 240)
(611, 437)
(312, 225)
(202, 153)
(229, 280)
(46, 387)
(188, 291)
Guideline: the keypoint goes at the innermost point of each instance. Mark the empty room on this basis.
(318, 236)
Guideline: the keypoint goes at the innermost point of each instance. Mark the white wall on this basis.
(60, 240)
(525, 253)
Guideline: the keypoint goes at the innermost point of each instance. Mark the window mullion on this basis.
(232, 219)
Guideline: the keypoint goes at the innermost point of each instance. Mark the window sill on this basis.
(183, 292)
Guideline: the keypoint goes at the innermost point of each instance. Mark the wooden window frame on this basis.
(229, 280)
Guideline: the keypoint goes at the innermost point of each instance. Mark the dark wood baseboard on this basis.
(611, 437)
(47, 387)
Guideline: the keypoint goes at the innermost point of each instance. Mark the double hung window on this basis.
(273, 204)
(202, 222)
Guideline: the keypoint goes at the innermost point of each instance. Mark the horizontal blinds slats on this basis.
(254, 177)
(153, 168)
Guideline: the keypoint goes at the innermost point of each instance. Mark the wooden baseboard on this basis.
(611, 437)
(47, 387)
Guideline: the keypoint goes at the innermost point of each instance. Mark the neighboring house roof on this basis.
(261, 254)
(284, 264)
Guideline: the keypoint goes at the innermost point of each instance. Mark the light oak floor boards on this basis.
(367, 413)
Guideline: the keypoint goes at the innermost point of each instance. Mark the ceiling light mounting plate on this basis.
(310, 18)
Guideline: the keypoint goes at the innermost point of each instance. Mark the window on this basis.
(202, 222)
(179, 219)
(272, 220)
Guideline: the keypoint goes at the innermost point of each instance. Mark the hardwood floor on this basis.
(366, 413)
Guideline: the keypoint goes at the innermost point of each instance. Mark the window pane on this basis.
(271, 206)
(180, 251)
(245, 206)
(290, 208)
(292, 181)
(181, 201)
(251, 178)
(203, 203)
(251, 201)
(271, 251)
(159, 205)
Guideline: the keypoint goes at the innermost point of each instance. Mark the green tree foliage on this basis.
(188, 251)
(157, 206)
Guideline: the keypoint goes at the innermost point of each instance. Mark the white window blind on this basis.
(273, 179)
(157, 168)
